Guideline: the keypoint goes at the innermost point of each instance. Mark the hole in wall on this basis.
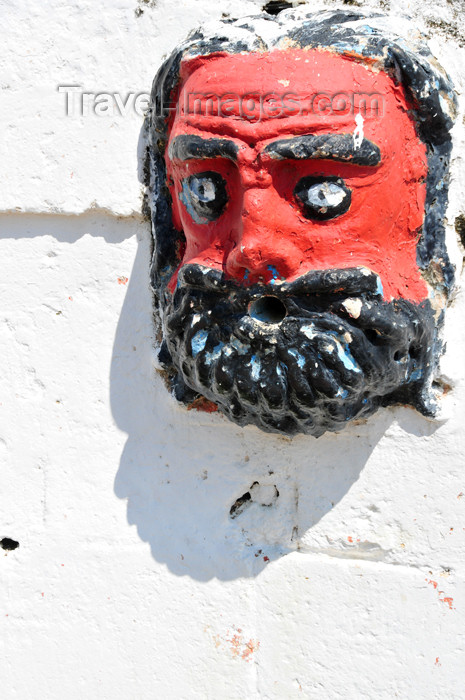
(441, 386)
(267, 309)
(8, 544)
(265, 495)
(460, 228)
(240, 505)
(274, 7)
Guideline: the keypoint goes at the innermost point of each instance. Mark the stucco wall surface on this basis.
(344, 577)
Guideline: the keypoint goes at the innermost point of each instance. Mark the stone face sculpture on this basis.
(298, 177)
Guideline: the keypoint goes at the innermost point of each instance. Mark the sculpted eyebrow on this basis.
(339, 147)
(190, 146)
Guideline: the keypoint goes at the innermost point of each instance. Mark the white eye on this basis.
(322, 197)
(202, 189)
(204, 196)
(325, 194)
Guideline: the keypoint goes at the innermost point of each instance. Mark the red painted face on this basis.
(280, 169)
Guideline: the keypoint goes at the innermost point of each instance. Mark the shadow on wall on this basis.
(67, 228)
(212, 499)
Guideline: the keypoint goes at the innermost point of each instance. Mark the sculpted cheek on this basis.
(207, 216)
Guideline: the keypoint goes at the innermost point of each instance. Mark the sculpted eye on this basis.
(322, 197)
(204, 196)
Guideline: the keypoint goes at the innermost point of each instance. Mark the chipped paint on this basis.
(353, 306)
(235, 643)
(444, 599)
(358, 133)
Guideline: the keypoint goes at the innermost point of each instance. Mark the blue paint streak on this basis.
(345, 355)
(416, 374)
(214, 354)
(300, 359)
(345, 46)
(198, 342)
(246, 275)
(256, 367)
(346, 358)
(274, 272)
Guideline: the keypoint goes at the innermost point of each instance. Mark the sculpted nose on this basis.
(256, 255)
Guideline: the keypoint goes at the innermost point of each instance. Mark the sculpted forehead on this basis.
(294, 91)
(294, 69)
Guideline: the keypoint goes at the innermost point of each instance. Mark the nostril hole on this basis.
(267, 310)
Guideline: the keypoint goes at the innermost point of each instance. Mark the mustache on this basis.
(349, 281)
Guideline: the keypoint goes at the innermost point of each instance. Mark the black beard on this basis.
(300, 357)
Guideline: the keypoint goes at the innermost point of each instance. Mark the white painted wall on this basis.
(131, 581)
